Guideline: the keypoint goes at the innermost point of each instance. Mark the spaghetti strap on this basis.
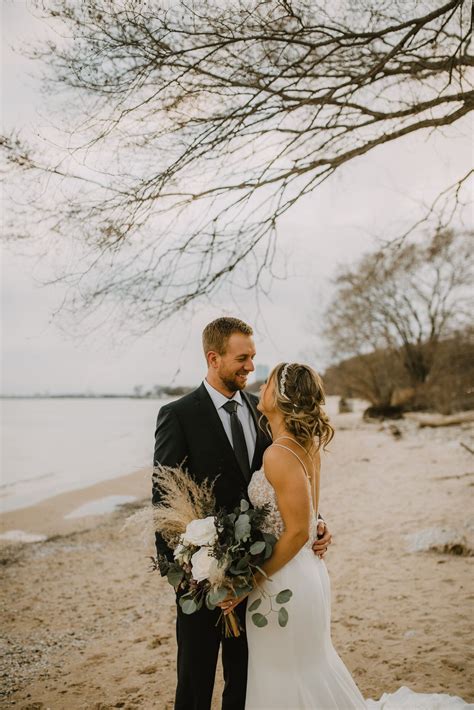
(282, 446)
(311, 479)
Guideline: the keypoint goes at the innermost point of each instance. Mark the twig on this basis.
(467, 447)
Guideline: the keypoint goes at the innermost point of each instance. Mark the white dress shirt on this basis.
(243, 412)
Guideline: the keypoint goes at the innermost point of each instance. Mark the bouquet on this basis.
(215, 553)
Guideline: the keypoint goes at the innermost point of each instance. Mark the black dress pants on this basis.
(199, 640)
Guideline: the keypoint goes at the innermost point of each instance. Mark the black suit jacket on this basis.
(190, 432)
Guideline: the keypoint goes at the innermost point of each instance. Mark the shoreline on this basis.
(42, 516)
(47, 517)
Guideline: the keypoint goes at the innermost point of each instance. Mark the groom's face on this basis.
(236, 363)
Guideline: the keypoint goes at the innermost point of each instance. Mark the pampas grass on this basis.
(181, 500)
(140, 526)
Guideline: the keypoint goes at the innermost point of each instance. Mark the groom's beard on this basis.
(234, 383)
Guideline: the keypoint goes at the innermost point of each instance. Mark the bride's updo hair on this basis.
(299, 395)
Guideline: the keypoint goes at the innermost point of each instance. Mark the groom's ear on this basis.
(212, 358)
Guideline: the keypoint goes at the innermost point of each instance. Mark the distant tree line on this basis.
(381, 379)
(160, 391)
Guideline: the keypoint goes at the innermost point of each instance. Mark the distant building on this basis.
(261, 373)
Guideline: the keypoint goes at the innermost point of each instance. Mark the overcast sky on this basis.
(376, 195)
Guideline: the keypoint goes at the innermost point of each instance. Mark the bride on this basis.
(296, 666)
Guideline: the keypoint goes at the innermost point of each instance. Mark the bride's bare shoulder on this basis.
(281, 465)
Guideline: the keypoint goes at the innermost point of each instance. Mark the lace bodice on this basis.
(261, 492)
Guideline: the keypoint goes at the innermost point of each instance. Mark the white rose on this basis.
(179, 549)
(201, 532)
(203, 565)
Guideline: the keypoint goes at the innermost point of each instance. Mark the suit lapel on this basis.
(209, 411)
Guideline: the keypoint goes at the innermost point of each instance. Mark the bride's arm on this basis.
(291, 488)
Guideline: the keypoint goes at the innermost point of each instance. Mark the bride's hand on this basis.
(230, 603)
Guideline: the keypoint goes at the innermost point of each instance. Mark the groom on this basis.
(215, 431)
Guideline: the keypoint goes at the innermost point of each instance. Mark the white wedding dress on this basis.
(296, 667)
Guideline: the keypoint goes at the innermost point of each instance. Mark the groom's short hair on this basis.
(216, 334)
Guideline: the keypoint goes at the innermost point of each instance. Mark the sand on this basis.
(86, 624)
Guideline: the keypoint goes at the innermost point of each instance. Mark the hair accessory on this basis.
(283, 379)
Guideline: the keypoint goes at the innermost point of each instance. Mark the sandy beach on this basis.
(87, 625)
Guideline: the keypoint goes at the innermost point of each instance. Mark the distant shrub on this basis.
(381, 379)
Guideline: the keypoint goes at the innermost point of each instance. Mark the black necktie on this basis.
(238, 438)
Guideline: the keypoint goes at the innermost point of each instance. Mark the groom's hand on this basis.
(320, 546)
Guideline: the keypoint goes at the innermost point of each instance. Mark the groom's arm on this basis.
(170, 443)
(324, 539)
(323, 536)
(170, 450)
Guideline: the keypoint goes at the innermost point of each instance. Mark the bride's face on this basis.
(267, 397)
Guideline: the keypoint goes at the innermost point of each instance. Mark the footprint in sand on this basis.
(157, 641)
(96, 657)
(148, 670)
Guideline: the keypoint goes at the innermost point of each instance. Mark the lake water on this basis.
(50, 446)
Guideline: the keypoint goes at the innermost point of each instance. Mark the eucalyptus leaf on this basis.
(199, 603)
(268, 537)
(244, 505)
(243, 563)
(268, 550)
(254, 605)
(188, 606)
(259, 620)
(257, 547)
(283, 596)
(175, 576)
(217, 595)
(242, 527)
(209, 604)
(283, 616)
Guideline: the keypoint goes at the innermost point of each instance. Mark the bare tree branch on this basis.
(404, 302)
(191, 130)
